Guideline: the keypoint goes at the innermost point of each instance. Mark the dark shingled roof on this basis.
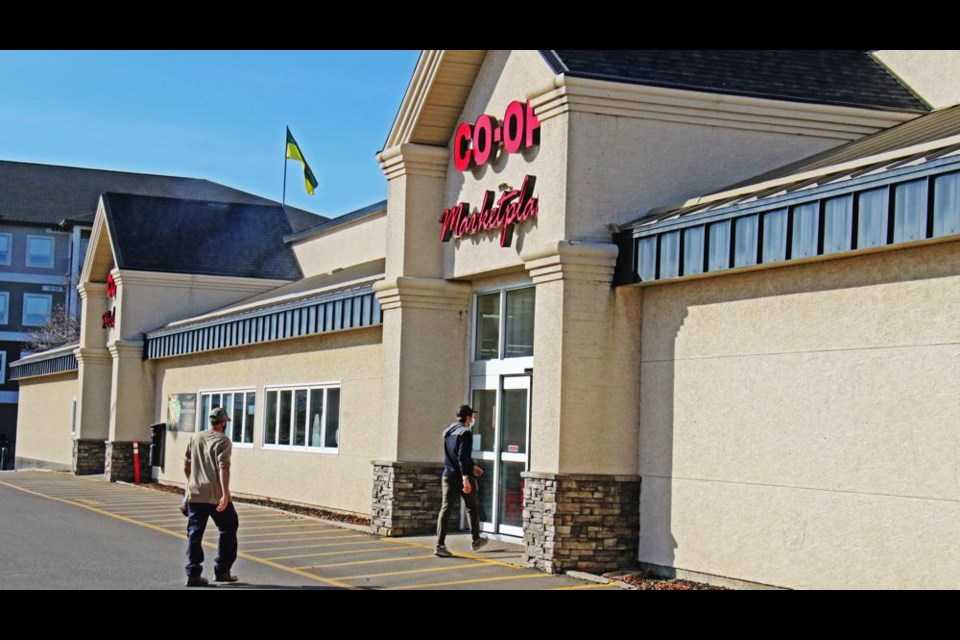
(840, 77)
(200, 237)
(48, 194)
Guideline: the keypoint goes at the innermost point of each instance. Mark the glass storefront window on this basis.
(485, 403)
(519, 329)
(488, 327)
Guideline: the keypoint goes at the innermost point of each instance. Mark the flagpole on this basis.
(283, 202)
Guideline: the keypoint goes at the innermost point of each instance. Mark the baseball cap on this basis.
(219, 414)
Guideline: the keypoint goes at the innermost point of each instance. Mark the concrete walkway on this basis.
(306, 551)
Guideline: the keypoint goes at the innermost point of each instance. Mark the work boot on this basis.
(196, 581)
(226, 577)
(442, 552)
(478, 543)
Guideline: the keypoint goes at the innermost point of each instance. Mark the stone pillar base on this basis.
(88, 457)
(580, 522)
(119, 462)
(406, 498)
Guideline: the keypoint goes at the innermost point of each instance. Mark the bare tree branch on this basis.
(61, 329)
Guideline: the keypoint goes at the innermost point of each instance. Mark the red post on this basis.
(136, 462)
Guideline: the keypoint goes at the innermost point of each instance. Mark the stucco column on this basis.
(581, 497)
(131, 402)
(425, 323)
(94, 371)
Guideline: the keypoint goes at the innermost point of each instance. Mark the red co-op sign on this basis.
(476, 144)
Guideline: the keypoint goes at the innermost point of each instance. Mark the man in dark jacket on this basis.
(459, 479)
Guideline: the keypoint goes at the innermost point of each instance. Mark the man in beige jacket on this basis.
(207, 467)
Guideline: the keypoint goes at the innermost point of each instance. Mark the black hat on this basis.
(464, 411)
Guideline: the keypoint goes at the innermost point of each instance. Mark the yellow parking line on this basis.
(472, 565)
(306, 538)
(304, 523)
(179, 536)
(304, 546)
(281, 533)
(342, 552)
(456, 582)
(468, 556)
(608, 585)
(291, 526)
(378, 561)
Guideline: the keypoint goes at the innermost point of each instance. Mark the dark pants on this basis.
(452, 492)
(227, 522)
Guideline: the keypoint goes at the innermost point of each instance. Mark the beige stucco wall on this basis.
(930, 73)
(44, 418)
(506, 76)
(354, 244)
(621, 167)
(800, 426)
(342, 481)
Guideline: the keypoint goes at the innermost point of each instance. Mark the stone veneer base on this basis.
(406, 498)
(580, 522)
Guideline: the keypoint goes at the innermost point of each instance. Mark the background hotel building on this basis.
(705, 302)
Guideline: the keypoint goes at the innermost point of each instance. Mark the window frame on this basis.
(502, 335)
(5, 308)
(293, 388)
(23, 315)
(203, 422)
(53, 252)
(9, 260)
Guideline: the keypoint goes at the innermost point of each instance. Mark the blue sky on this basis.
(209, 114)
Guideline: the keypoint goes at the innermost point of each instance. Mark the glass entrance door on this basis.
(501, 447)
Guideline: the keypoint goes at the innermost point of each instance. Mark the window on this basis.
(3, 367)
(6, 248)
(303, 417)
(73, 417)
(4, 307)
(512, 338)
(240, 405)
(36, 309)
(488, 327)
(40, 252)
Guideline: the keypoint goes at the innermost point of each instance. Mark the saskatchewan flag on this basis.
(294, 153)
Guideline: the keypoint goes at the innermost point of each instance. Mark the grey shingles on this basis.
(200, 237)
(840, 77)
(47, 194)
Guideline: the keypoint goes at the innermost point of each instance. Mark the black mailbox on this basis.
(157, 434)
